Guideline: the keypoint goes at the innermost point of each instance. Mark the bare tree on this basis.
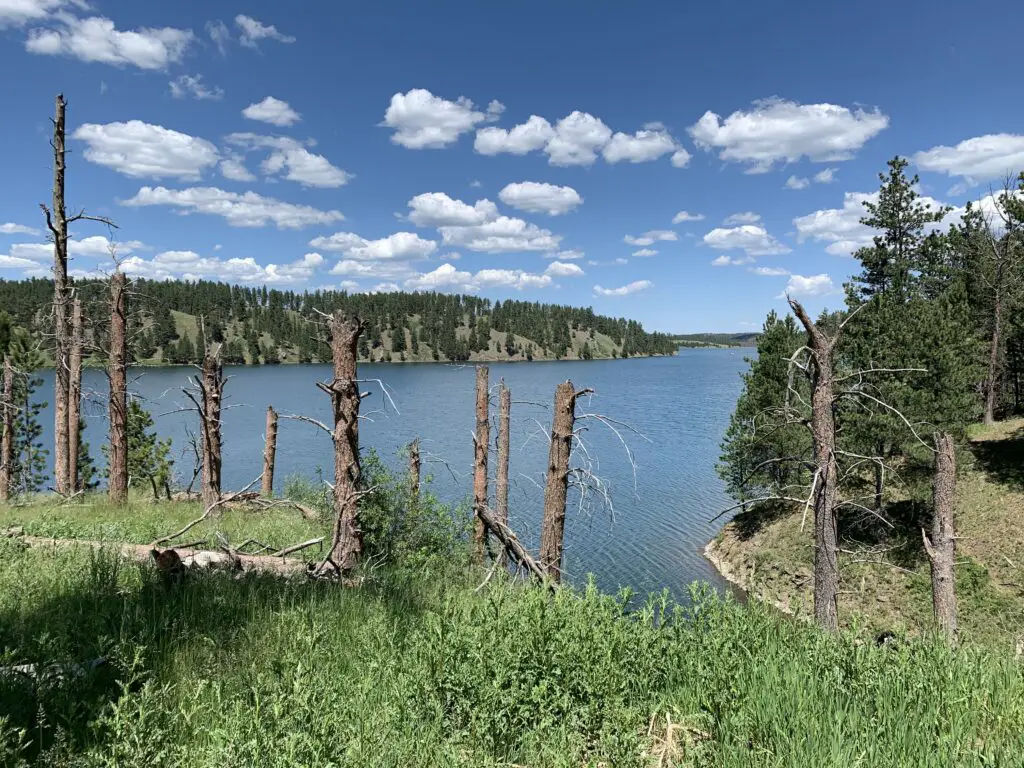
(556, 490)
(7, 441)
(74, 393)
(824, 488)
(269, 453)
(212, 390)
(414, 470)
(501, 474)
(117, 374)
(481, 443)
(346, 538)
(941, 548)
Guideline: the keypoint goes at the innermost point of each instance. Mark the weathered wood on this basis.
(513, 546)
(826, 491)
(503, 444)
(7, 441)
(61, 295)
(941, 548)
(556, 489)
(269, 453)
(117, 373)
(74, 393)
(346, 537)
(212, 392)
(481, 443)
(415, 468)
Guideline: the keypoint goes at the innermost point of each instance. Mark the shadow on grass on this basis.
(138, 627)
(1002, 460)
(751, 520)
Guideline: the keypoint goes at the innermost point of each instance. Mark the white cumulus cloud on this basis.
(568, 255)
(17, 229)
(641, 147)
(189, 265)
(247, 209)
(797, 182)
(625, 290)
(436, 209)
(15, 13)
(532, 135)
(273, 111)
(682, 216)
(501, 235)
(747, 217)
(537, 197)
(770, 271)
(814, 285)
(291, 157)
(651, 237)
(252, 31)
(731, 261)
(192, 85)
(564, 269)
(422, 120)
(577, 139)
(401, 246)
(143, 150)
(644, 252)
(96, 39)
(750, 238)
(977, 159)
(779, 131)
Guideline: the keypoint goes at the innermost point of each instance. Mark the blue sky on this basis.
(678, 163)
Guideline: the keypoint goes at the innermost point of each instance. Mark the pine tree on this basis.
(28, 466)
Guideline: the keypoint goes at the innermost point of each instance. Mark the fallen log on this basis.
(512, 545)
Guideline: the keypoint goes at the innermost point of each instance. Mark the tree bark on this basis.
(414, 470)
(992, 379)
(74, 394)
(553, 526)
(481, 444)
(61, 381)
(117, 484)
(212, 391)
(269, 453)
(7, 441)
(346, 538)
(823, 433)
(512, 545)
(879, 478)
(501, 474)
(942, 546)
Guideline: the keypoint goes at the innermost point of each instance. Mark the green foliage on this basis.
(28, 465)
(149, 459)
(87, 472)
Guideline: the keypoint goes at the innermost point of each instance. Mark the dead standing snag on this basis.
(269, 454)
(118, 402)
(481, 443)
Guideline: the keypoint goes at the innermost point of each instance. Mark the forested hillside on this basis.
(169, 320)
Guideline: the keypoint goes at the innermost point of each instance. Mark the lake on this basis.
(651, 537)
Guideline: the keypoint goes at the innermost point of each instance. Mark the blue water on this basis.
(652, 535)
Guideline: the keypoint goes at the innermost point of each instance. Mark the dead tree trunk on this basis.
(501, 474)
(74, 394)
(992, 379)
(825, 488)
(556, 490)
(117, 487)
(880, 478)
(59, 231)
(269, 453)
(941, 547)
(481, 443)
(212, 393)
(7, 442)
(347, 538)
(512, 545)
(414, 470)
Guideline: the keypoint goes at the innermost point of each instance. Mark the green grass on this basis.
(418, 668)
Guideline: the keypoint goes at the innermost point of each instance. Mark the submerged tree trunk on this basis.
(501, 474)
(212, 391)
(414, 470)
(992, 379)
(941, 547)
(823, 433)
(481, 443)
(74, 394)
(346, 538)
(556, 490)
(269, 453)
(117, 487)
(7, 441)
(61, 294)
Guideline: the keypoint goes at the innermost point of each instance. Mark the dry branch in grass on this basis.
(514, 547)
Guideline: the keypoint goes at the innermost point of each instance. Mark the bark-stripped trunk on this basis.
(823, 433)
(481, 443)
(347, 538)
(117, 487)
(501, 474)
(61, 380)
(553, 526)
(7, 441)
(879, 478)
(74, 394)
(414, 470)
(942, 546)
(212, 391)
(992, 380)
(269, 454)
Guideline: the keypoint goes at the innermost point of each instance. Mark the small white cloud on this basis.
(778, 131)
(643, 252)
(826, 176)
(815, 285)
(977, 159)
(536, 197)
(731, 261)
(143, 150)
(189, 265)
(239, 210)
(564, 269)
(641, 147)
(769, 271)
(447, 278)
(651, 237)
(475, 183)
(569, 255)
(273, 111)
(252, 31)
(192, 85)
(292, 158)
(625, 290)
(577, 139)
(794, 182)
(532, 135)
(219, 34)
(752, 239)
(95, 39)
(680, 158)
(682, 216)
(15, 13)
(747, 217)
(401, 246)
(436, 209)
(233, 167)
(422, 120)
(619, 262)
(17, 229)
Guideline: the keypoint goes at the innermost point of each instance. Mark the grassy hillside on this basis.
(716, 339)
(888, 585)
